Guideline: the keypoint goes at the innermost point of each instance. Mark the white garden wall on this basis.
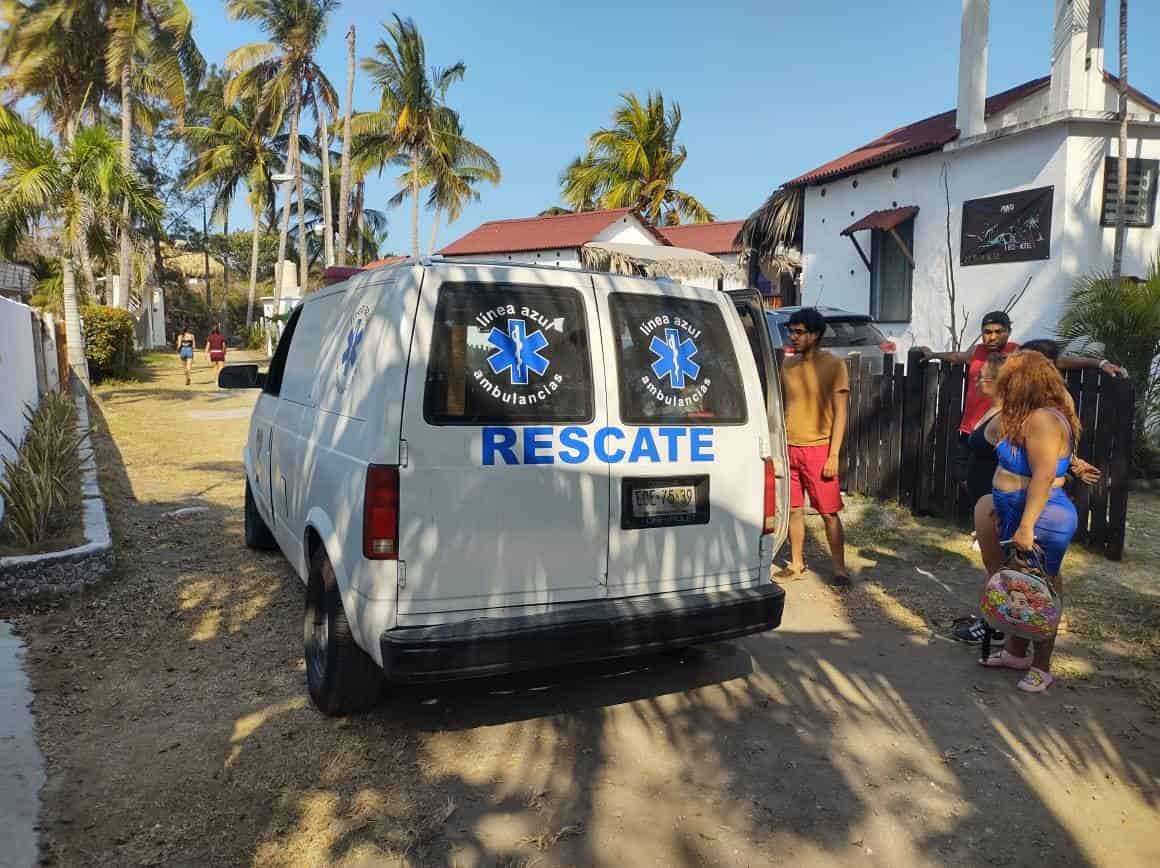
(17, 370)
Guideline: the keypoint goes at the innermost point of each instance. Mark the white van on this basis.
(482, 468)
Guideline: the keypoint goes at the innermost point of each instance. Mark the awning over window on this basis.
(884, 220)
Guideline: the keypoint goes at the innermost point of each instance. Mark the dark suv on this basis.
(846, 334)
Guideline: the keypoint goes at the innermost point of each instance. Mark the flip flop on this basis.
(1035, 681)
(1006, 660)
(788, 574)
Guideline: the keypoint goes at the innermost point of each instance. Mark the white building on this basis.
(617, 240)
(1030, 174)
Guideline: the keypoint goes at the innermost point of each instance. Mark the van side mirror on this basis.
(241, 377)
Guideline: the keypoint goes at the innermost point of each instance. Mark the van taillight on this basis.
(769, 525)
(888, 346)
(381, 513)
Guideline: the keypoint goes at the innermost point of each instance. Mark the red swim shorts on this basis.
(805, 477)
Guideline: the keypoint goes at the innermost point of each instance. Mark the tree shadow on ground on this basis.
(178, 731)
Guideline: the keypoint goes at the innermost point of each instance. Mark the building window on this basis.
(1141, 199)
(891, 273)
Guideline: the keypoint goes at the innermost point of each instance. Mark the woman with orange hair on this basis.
(1039, 429)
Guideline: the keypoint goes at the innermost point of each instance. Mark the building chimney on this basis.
(970, 117)
(1077, 56)
(1094, 65)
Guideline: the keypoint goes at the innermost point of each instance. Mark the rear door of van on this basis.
(503, 496)
(752, 312)
(688, 488)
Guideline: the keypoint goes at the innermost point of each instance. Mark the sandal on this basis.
(1004, 659)
(1035, 681)
(789, 574)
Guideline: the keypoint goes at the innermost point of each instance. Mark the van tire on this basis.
(258, 535)
(340, 676)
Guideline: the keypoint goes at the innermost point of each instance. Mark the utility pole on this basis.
(1122, 157)
(205, 251)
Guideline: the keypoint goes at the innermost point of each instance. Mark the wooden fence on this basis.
(903, 431)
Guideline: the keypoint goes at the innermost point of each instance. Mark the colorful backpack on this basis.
(1019, 600)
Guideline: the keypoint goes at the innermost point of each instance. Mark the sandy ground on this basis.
(177, 731)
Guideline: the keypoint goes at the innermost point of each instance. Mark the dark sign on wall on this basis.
(1015, 227)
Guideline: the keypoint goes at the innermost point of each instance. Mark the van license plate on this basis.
(664, 501)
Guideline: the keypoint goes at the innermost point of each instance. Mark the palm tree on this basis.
(344, 182)
(232, 149)
(52, 52)
(366, 227)
(73, 185)
(634, 164)
(284, 77)
(150, 52)
(453, 168)
(413, 114)
(1122, 162)
(770, 234)
(1122, 316)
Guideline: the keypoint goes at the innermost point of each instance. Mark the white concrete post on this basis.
(970, 116)
(1069, 54)
(1094, 65)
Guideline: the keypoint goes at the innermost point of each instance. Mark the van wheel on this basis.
(258, 535)
(341, 677)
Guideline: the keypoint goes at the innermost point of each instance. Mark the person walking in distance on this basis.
(215, 350)
(186, 341)
(817, 395)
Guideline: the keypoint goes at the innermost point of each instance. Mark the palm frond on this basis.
(776, 226)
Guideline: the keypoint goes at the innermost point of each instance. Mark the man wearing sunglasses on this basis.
(817, 395)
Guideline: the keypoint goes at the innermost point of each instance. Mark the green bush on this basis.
(42, 479)
(255, 338)
(108, 340)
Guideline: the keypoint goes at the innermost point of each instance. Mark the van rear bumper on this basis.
(576, 632)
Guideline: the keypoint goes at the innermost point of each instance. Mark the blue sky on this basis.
(767, 89)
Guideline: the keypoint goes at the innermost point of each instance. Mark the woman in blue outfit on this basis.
(1039, 429)
(186, 341)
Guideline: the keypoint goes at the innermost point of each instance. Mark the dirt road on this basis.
(177, 731)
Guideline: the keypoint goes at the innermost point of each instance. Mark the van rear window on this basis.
(676, 361)
(505, 353)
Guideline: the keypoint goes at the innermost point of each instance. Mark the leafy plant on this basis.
(38, 483)
(1123, 318)
(108, 340)
(255, 337)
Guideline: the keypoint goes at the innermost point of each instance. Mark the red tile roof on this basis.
(706, 237)
(386, 260)
(884, 220)
(932, 133)
(541, 233)
(917, 138)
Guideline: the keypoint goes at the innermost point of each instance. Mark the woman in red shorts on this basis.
(215, 349)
